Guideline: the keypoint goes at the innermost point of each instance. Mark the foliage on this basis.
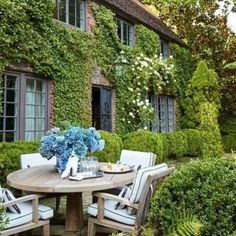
(205, 32)
(147, 41)
(113, 147)
(3, 221)
(177, 144)
(206, 189)
(185, 224)
(146, 75)
(212, 146)
(166, 145)
(10, 156)
(194, 141)
(203, 87)
(184, 68)
(145, 141)
(62, 57)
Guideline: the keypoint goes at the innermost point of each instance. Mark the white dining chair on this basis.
(137, 158)
(35, 159)
(29, 215)
(131, 216)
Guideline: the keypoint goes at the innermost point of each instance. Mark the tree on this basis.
(205, 32)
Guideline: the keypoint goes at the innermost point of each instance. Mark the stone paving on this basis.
(58, 222)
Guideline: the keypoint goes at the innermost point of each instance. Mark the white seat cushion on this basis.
(136, 158)
(141, 178)
(26, 214)
(118, 215)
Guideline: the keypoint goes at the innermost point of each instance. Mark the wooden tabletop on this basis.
(45, 179)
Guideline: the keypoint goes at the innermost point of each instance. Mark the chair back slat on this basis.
(35, 159)
(144, 159)
(148, 191)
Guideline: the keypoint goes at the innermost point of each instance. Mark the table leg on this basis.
(74, 213)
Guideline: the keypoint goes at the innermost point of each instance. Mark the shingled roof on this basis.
(138, 13)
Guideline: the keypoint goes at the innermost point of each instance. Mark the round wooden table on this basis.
(44, 179)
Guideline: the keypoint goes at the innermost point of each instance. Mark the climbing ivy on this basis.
(68, 56)
(28, 33)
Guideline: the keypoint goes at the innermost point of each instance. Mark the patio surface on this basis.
(58, 221)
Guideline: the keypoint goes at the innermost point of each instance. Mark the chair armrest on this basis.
(35, 205)
(21, 199)
(116, 198)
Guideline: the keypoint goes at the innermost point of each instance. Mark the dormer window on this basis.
(165, 51)
(125, 31)
(72, 12)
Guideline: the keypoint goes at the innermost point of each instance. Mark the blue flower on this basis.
(74, 140)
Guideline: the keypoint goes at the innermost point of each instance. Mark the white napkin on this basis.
(82, 175)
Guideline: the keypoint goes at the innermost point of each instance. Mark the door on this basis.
(101, 108)
(105, 103)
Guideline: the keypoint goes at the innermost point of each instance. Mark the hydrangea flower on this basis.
(75, 140)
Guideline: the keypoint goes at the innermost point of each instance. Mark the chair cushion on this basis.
(137, 158)
(118, 215)
(26, 214)
(7, 196)
(141, 178)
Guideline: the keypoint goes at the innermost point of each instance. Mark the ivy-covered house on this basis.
(59, 61)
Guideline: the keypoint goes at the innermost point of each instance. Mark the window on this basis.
(164, 107)
(71, 12)
(125, 31)
(24, 104)
(165, 51)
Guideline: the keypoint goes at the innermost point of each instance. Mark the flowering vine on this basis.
(149, 76)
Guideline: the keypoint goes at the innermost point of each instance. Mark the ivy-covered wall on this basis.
(68, 56)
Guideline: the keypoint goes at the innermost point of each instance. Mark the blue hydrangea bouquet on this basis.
(75, 140)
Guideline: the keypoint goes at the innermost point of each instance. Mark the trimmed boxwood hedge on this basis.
(205, 188)
(145, 141)
(166, 145)
(10, 156)
(113, 147)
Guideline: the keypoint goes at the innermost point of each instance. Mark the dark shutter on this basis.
(106, 122)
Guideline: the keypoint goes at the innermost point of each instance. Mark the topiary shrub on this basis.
(145, 141)
(9, 156)
(206, 189)
(212, 146)
(194, 140)
(113, 147)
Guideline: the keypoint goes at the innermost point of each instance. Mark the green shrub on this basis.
(206, 189)
(203, 87)
(194, 140)
(212, 146)
(9, 156)
(229, 143)
(145, 141)
(176, 144)
(113, 147)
